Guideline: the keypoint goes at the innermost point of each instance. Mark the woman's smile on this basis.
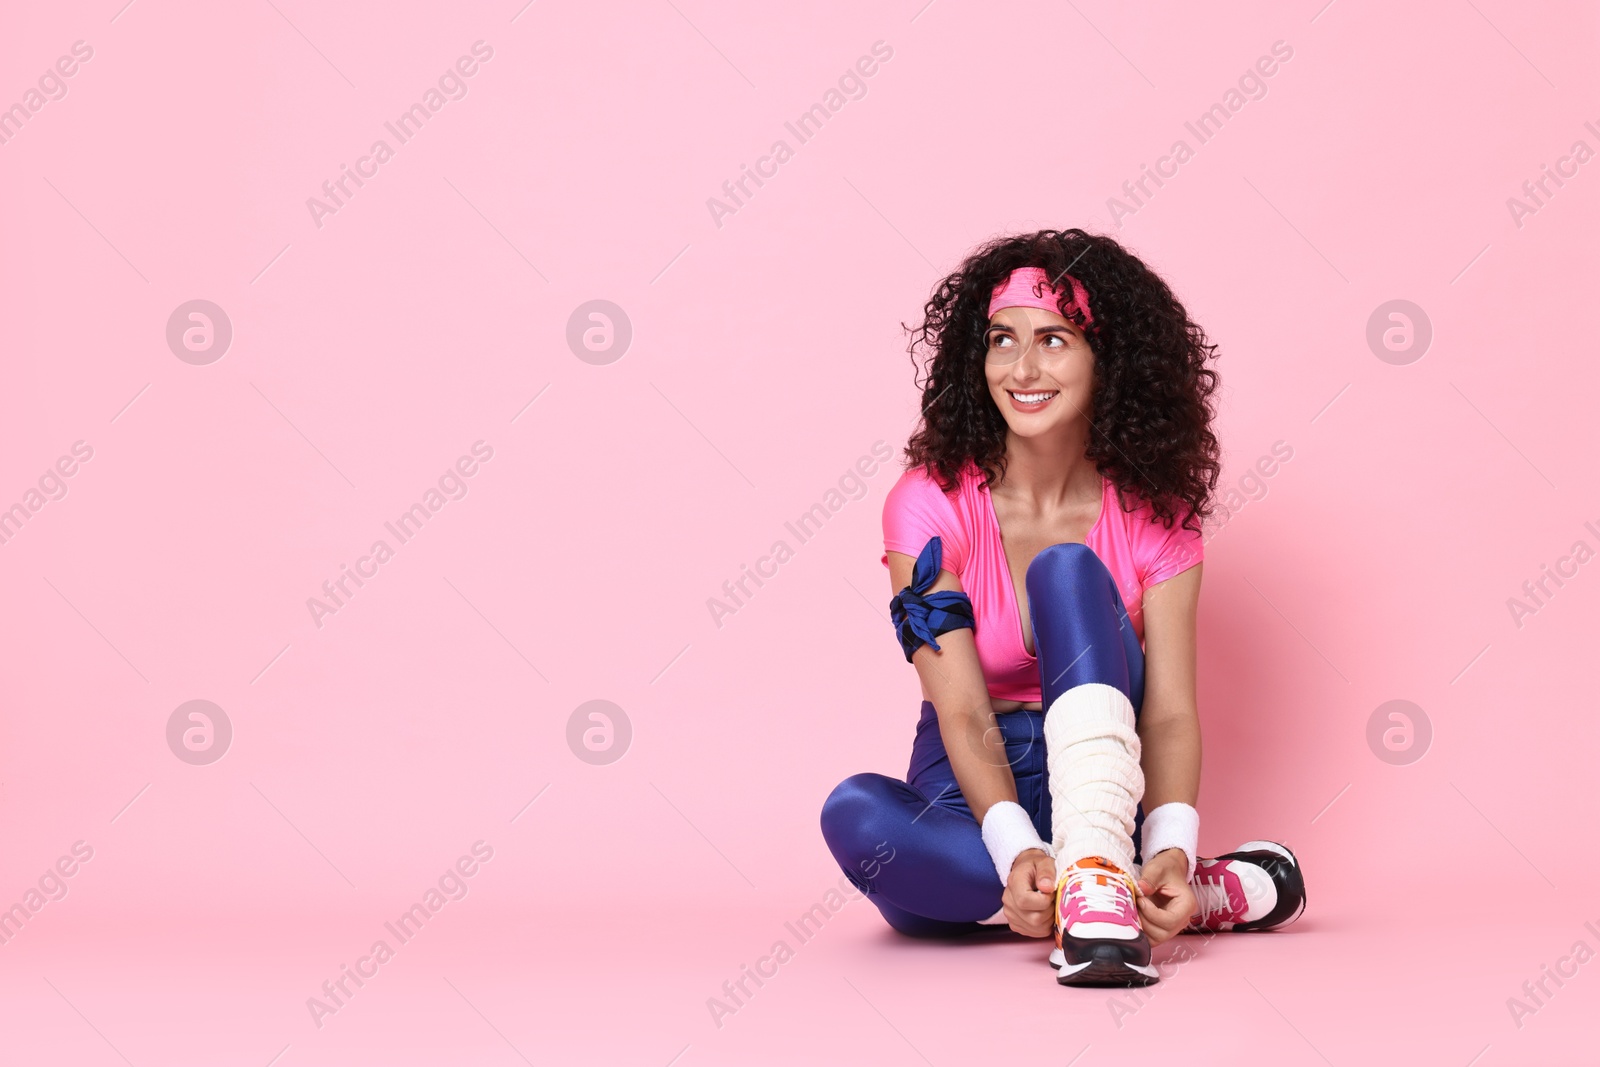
(1032, 401)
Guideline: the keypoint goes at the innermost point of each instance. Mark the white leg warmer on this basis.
(1096, 783)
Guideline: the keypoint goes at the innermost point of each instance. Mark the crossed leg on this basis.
(912, 846)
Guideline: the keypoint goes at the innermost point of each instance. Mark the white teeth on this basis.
(1032, 398)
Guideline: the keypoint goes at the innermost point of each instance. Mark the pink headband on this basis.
(1023, 286)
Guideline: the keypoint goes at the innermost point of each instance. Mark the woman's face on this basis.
(1036, 355)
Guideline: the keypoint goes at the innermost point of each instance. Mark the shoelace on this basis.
(1212, 896)
(1110, 897)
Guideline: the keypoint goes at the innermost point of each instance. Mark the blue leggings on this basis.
(913, 846)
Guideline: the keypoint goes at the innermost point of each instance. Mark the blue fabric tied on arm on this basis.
(920, 616)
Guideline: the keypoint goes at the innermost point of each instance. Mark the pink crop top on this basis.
(1135, 547)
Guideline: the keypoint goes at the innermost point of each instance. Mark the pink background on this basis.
(767, 357)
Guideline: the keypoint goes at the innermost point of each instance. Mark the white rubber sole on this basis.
(1058, 960)
(1148, 972)
(1106, 973)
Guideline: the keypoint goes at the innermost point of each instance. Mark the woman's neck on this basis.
(1049, 473)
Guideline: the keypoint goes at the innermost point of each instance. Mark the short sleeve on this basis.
(917, 509)
(1170, 551)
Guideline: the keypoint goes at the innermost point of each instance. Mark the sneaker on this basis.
(1258, 886)
(1098, 937)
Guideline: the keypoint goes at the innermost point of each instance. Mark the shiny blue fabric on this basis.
(912, 845)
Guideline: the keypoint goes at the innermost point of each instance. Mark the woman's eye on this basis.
(996, 340)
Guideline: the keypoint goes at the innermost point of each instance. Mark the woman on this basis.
(1045, 544)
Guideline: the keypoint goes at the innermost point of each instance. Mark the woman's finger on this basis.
(1154, 915)
(1034, 897)
(1156, 932)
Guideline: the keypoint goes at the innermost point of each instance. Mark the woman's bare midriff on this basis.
(1002, 706)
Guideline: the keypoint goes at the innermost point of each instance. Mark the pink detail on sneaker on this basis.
(1220, 895)
(1230, 892)
(1097, 902)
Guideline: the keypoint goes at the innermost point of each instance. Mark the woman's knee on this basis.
(1069, 562)
(857, 814)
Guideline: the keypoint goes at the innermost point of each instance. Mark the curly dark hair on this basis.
(1151, 405)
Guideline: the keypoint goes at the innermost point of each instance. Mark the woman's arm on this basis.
(1169, 735)
(952, 679)
(1169, 721)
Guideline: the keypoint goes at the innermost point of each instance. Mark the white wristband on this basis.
(1007, 833)
(1173, 825)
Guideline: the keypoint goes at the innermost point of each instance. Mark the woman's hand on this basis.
(1166, 903)
(1030, 894)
